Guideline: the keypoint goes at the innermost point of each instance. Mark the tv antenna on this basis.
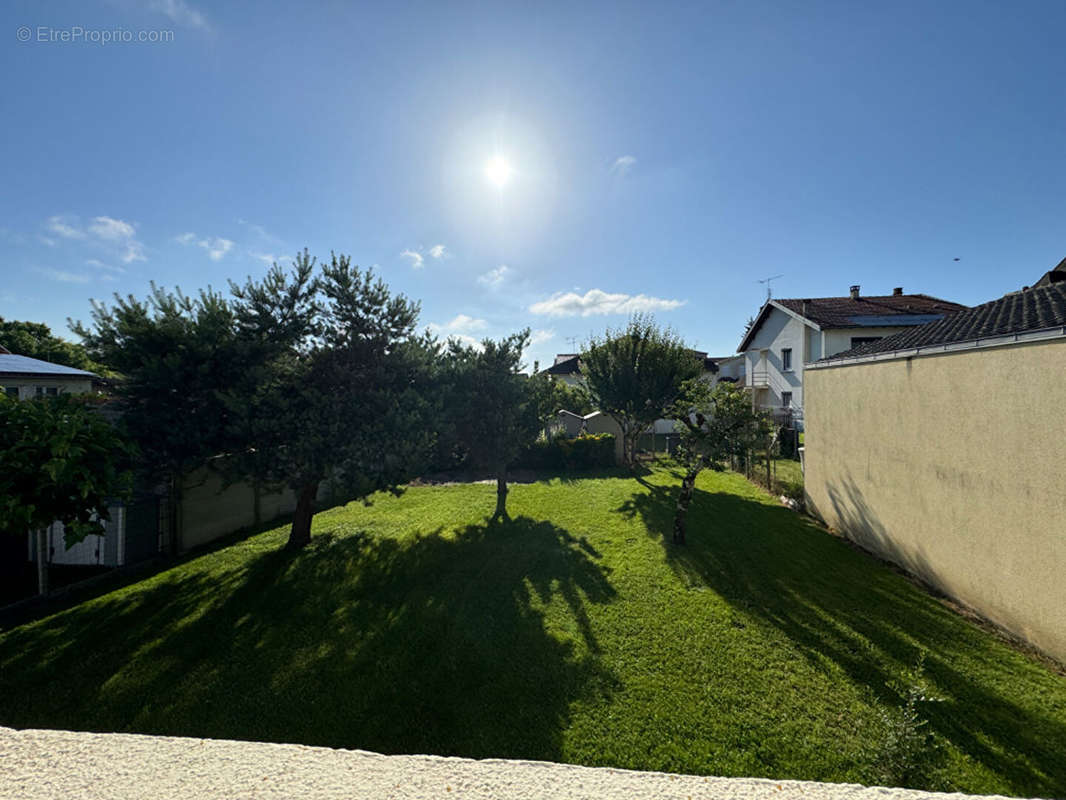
(572, 341)
(767, 282)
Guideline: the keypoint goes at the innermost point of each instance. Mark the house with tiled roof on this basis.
(940, 448)
(788, 334)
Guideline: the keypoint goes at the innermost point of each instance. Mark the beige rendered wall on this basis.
(952, 466)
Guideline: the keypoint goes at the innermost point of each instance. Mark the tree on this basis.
(714, 424)
(635, 375)
(35, 339)
(335, 386)
(173, 356)
(59, 461)
(497, 411)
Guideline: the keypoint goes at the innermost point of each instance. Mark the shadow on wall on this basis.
(835, 602)
(434, 644)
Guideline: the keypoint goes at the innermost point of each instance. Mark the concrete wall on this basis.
(763, 358)
(962, 488)
(598, 422)
(209, 510)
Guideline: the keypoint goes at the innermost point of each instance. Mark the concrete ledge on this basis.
(54, 764)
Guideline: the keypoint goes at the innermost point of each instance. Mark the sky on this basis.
(556, 166)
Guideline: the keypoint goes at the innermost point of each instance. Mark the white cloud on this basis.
(267, 258)
(47, 241)
(107, 230)
(494, 277)
(61, 226)
(111, 230)
(63, 276)
(438, 251)
(623, 164)
(596, 301)
(461, 323)
(216, 246)
(181, 13)
(540, 336)
(417, 262)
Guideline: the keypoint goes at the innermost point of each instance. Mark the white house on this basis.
(788, 334)
(23, 377)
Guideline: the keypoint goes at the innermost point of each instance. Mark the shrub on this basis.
(587, 451)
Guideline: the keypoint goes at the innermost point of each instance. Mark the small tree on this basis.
(714, 424)
(635, 375)
(60, 461)
(336, 385)
(495, 409)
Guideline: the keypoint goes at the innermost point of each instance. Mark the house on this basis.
(940, 448)
(22, 377)
(789, 334)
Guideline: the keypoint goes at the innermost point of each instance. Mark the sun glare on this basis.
(498, 170)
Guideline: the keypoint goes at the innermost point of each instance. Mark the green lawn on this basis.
(764, 648)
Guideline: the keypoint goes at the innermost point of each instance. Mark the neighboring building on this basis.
(941, 448)
(23, 377)
(789, 334)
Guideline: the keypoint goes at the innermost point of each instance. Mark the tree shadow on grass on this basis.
(433, 644)
(838, 604)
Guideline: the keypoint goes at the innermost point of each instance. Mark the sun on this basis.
(498, 170)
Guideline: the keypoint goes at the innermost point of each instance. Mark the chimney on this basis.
(897, 292)
(855, 292)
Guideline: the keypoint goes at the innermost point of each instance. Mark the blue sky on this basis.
(664, 156)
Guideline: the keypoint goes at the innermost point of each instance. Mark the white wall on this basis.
(839, 339)
(28, 386)
(777, 332)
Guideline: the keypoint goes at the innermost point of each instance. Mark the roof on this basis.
(24, 365)
(876, 311)
(1035, 309)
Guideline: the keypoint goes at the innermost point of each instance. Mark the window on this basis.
(786, 358)
(860, 340)
(12, 392)
(786, 399)
(46, 391)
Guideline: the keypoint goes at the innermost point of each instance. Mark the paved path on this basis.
(77, 766)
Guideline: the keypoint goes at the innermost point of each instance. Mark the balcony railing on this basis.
(760, 378)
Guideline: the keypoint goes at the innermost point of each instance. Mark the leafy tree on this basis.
(497, 411)
(173, 356)
(336, 384)
(35, 339)
(636, 374)
(59, 461)
(714, 424)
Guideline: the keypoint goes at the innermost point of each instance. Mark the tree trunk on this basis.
(684, 499)
(42, 561)
(501, 496)
(300, 534)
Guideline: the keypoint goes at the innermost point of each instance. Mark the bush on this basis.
(587, 451)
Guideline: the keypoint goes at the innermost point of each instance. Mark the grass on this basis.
(766, 647)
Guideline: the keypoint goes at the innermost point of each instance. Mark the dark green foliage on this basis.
(173, 355)
(495, 410)
(587, 451)
(35, 339)
(636, 374)
(59, 461)
(910, 754)
(336, 384)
